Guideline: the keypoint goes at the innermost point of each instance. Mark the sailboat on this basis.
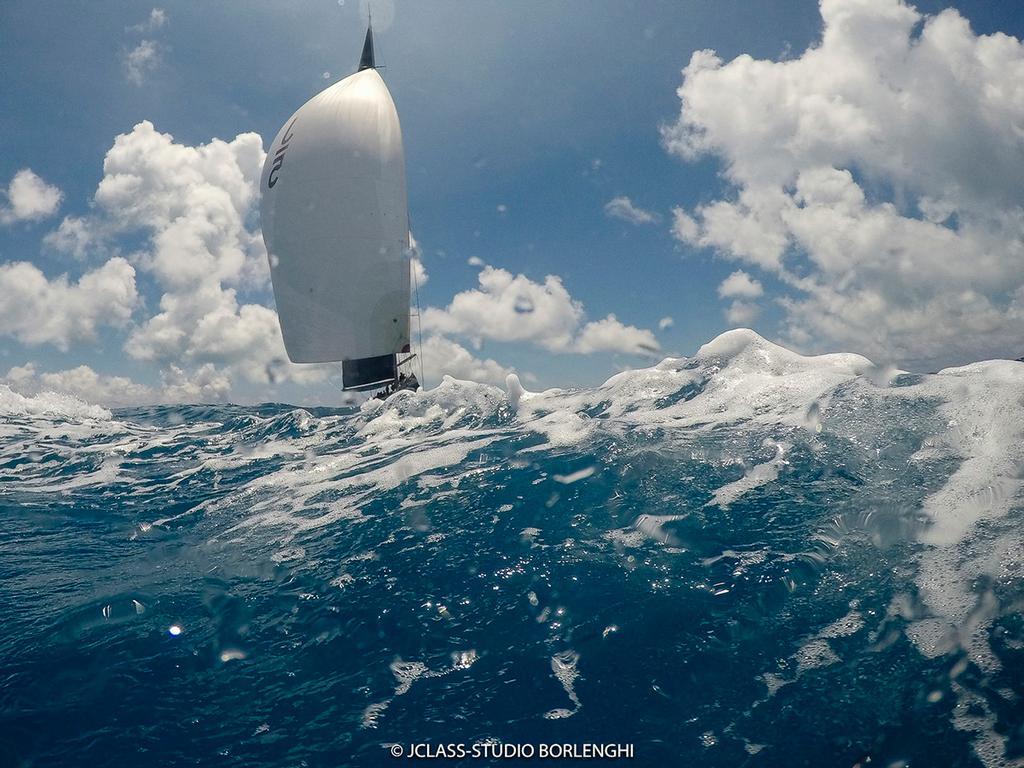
(334, 213)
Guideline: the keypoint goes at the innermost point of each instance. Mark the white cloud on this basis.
(141, 60)
(475, 261)
(193, 202)
(742, 313)
(20, 378)
(665, 323)
(419, 272)
(74, 237)
(144, 58)
(210, 326)
(877, 175)
(443, 356)
(29, 198)
(157, 19)
(684, 228)
(740, 285)
(623, 208)
(509, 307)
(194, 205)
(204, 385)
(83, 382)
(609, 335)
(513, 308)
(36, 310)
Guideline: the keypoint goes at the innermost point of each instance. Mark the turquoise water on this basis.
(741, 558)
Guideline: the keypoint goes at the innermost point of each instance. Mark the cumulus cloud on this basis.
(37, 310)
(665, 323)
(201, 252)
(193, 202)
(742, 313)
(513, 308)
(509, 307)
(609, 335)
(82, 382)
(74, 237)
(740, 285)
(205, 385)
(141, 60)
(443, 356)
(623, 208)
(29, 198)
(877, 176)
(145, 56)
(475, 261)
(684, 227)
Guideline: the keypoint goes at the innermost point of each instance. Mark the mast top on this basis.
(366, 60)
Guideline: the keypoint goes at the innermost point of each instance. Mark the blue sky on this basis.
(522, 122)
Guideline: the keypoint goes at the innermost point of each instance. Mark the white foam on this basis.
(406, 673)
(981, 405)
(774, 681)
(49, 405)
(516, 392)
(813, 654)
(561, 428)
(986, 429)
(755, 477)
(850, 624)
(563, 665)
(739, 377)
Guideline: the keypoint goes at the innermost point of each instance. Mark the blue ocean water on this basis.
(744, 558)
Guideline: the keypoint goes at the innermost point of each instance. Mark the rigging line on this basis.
(419, 325)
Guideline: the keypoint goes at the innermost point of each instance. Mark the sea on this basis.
(747, 557)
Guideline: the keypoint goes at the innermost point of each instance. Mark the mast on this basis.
(366, 60)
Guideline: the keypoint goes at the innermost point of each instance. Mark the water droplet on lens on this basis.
(523, 305)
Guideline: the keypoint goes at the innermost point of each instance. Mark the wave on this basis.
(51, 405)
(750, 468)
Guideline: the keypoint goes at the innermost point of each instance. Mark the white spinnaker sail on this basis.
(335, 220)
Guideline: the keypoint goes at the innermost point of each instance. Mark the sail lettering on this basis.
(279, 156)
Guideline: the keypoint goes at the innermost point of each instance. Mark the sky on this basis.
(593, 185)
